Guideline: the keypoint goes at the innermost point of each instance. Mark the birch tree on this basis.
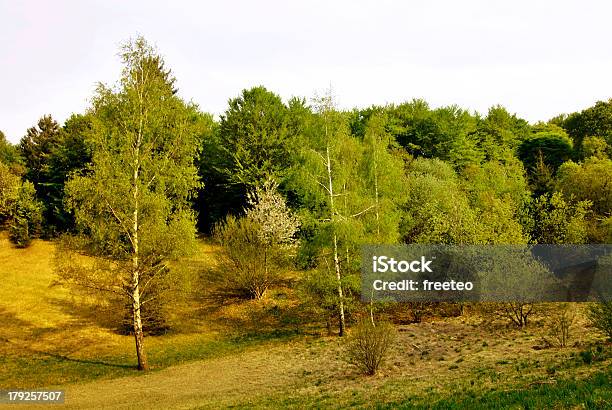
(132, 204)
(384, 179)
(328, 184)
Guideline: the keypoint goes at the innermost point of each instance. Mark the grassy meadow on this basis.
(238, 354)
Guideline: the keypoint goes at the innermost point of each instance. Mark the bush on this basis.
(517, 312)
(369, 344)
(600, 315)
(561, 325)
(258, 246)
(246, 270)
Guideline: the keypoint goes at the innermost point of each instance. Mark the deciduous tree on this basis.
(132, 204)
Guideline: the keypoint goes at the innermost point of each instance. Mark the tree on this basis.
(255, 137)
(440, 133)
(36, 147)
(331, 194)
(588, 181)
(254, 141)
(25, 216)
(516, 279)
(45, 149)
(436, 209)
(595, 147)
(10, 156)
(132, 204)
(500, 133)
(19, 208)
(593, 121)
(555, 147)
(383, 173)
(498, 192)
(557, 221)
(258, 245)
(9, 191)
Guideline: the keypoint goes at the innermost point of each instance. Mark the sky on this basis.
(537, 58)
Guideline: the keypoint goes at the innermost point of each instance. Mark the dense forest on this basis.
(297, 184)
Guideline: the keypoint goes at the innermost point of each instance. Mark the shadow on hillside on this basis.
(85, 312)
(17, 335)
(65, 358)
(278, 314)
(12, 326)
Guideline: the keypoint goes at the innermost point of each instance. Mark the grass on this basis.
(239, 353)
(51, 337)
(594, 392)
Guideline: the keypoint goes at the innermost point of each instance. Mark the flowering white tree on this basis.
(258, 245)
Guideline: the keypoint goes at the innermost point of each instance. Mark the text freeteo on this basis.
(426, 285)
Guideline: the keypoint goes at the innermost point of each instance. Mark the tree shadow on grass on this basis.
(65, 358)
(17, 335)
(103, 313)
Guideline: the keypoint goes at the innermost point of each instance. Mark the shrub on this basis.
(246, 270)
(561, 325)
(517, 312)
(369, 344)
(258, 245)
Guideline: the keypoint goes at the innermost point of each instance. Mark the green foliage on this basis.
(446, 132)
(318, 290)
(555, 147)
(588, 181)
(369, 345)
(51, 154)
(36, 147)
(144, 142)
(558, 221)
(504, 279)
(439, 210)
(595, 147)
(383, 179)
(255, 137)
(436, 210)
(9, 191)
(25, 216)
(19, 208)
(70, 154)
(255, 141)
(10, 155)
(499, 193)
(501, 133)
(593, 121)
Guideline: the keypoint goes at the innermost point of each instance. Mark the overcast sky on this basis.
(537, 58)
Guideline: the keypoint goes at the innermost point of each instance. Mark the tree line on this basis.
(298, 183)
